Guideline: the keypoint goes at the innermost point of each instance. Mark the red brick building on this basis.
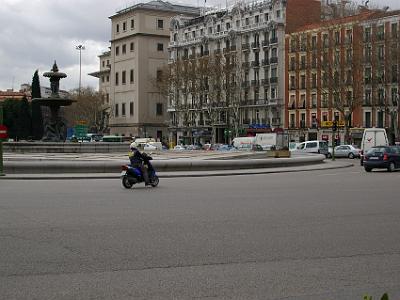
(346, 70)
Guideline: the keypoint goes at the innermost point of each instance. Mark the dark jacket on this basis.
(136, 157)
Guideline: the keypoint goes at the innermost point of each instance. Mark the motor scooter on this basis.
(132, 175)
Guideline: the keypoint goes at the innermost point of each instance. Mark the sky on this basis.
(34, 33)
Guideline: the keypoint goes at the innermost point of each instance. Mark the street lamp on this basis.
(80, 48)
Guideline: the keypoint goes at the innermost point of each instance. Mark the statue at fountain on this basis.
(54, 125)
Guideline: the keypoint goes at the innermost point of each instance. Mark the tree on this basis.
(37, 117)
(17, 117)
(89, 107)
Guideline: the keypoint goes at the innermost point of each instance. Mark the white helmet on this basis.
(133, 146)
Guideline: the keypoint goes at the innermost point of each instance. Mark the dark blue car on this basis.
(382, 157)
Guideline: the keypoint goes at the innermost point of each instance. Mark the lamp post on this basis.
(80, 48)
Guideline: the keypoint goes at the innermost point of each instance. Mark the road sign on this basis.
(80, 131)
(3, 132)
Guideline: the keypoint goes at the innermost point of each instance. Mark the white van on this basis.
(373, 137)
(313, 147)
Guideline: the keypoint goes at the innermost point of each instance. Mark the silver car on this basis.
(349, 151)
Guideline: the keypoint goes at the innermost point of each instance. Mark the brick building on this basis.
(345, 70)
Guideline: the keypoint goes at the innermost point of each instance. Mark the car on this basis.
(149, 147)
(350, 151)
(257, 147)
(179, 148)
(382, 157)
(226, 147)
(313, 147)
(293, 146)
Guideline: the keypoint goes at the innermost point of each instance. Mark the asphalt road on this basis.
(323, 235)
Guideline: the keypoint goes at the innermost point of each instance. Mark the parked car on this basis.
(257, 147)
(226, 147)
(382, 157)
(349, 151)
(313, 147)
(293, 146)
(179, 148)
(149, 147)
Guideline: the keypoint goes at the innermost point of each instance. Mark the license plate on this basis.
(374, 158)
(123, 173)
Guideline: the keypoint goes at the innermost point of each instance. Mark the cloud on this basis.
(35, 33)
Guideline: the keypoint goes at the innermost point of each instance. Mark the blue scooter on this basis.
(131, 175)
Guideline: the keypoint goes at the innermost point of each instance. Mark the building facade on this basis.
(139, 40)
(343, 70)
(227, 70)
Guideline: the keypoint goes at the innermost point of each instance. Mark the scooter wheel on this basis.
(125, 182)
(154, 181)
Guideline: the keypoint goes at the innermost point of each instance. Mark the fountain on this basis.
(54, 126)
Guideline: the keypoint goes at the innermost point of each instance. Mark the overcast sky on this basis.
(34, 33)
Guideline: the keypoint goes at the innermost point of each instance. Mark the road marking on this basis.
(334, 174)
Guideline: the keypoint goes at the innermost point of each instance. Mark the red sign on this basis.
(325, 137)
(3, 132)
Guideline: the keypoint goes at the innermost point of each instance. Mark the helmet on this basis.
(133, 146)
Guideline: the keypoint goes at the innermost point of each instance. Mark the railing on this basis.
(246, 46)
(273, 40)
(265, 62)
(265, 81)
(255, 63)
(265, 43)
(255, 45)
(273, 60)
(246, 65)
(255, 82)
(273, 80)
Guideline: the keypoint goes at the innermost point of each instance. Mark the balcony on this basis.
(367, 102)
(255, 45)
(265, 62)
(217, 51)
(246, 65)
(245, 84)
(265, 81)
(255, 83)
(273, 60)
(206, 53)
(255, 64)
(273, 40)
(265, 43)
(233, 48)
(245, 47)
(273, 80)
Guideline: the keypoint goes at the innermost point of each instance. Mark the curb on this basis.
(221, 173)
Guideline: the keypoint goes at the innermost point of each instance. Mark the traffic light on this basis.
(334, 126)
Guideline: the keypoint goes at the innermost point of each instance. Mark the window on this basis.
(247, 21)
(124, 49)
(117, 28)
(160, 24)
(266, 17)
(160, 47)
(159, 75)
(117, 50)
(116, 78)
(102, 78)
(257, 19)
(104, 63)
(394, 30)
(108, 78)
(278, 13)
(132, 46)
(116, 110)
(367, 119)
(131, 76)
(132, 23)
(123, 77)
(124, 26)
(367, 34)
(123, 109)
(131, 108)
(107, 97)
(159, 109)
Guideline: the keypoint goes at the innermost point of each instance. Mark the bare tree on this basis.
(89, 107)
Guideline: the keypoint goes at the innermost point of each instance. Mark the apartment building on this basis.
(139, 41)
(343, 70)
(228, 69)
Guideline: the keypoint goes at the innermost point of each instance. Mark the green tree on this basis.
(37, 117)
(10, 111)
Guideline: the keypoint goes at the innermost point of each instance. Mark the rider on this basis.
(137, 161)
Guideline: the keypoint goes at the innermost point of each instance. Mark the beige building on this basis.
(139, 40)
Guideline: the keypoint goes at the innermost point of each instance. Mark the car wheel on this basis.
(351, 155)
(367, 169)
(329, 155)
(391, 167)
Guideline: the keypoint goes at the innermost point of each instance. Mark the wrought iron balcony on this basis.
(273, 40)
(265, 43)
(255, 63)
(273, 60)
(265, 62)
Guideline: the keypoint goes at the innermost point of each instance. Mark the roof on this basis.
(160, 5)
(332, 22)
